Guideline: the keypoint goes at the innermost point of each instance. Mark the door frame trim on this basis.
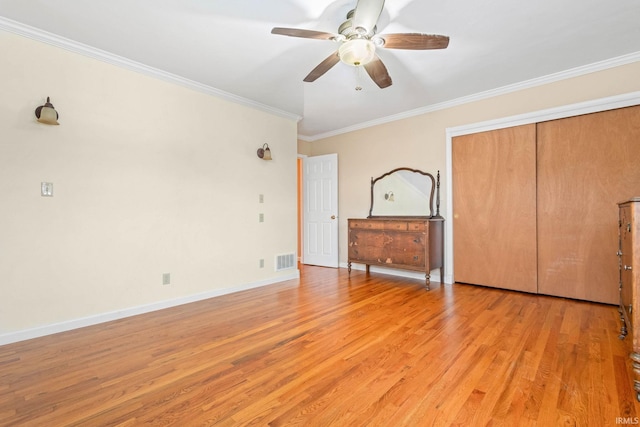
(570, 110)
(300, 201)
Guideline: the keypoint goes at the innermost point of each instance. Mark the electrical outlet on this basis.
(261, 218)
(46, 189)
(166, 278)
(261, 263)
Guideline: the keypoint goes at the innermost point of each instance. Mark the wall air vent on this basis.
(285, 262)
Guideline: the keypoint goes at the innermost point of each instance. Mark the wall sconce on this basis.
(47, 114)
(388, 196)
(265, 152)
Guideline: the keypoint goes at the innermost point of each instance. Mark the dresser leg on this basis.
(349, 267)
(427, 281)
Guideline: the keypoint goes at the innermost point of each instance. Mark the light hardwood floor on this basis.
(329, 349)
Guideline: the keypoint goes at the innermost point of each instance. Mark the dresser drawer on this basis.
(416, 226)
(395, 225)
(366, 224)
(388, 247)
(370, 224)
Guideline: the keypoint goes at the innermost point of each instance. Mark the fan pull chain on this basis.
(358, 78)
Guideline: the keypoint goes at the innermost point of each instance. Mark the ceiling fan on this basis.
(358, 42)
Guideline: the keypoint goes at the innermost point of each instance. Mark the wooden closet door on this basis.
(586, 165)
(494, 208)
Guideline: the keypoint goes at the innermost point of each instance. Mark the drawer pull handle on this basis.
(627, 267)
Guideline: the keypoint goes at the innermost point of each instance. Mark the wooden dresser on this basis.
(629, 257)
(415, 244)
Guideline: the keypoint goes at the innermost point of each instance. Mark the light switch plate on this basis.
(46, 189)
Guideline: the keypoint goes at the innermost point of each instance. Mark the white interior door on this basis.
(320, 212)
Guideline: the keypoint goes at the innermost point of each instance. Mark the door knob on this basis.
(333, 217)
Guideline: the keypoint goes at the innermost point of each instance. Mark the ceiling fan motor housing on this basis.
(347, 29)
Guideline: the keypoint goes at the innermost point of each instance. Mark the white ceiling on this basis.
(226, 46)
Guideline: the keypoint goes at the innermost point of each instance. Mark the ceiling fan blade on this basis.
(307, 34)
(366, 14)
(415, 41)
(378, 72)
(323, 67)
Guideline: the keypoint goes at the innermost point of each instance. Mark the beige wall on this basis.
(420, 141)
(149, 178)
(304, 147)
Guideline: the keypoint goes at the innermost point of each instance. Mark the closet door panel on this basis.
(586, 165)
(494, 212)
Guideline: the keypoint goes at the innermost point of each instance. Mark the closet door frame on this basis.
(593, 106)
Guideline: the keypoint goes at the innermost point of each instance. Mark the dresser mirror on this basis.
(405, 192)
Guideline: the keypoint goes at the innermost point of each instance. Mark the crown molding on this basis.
(527, 84)
(119, 61)
(82, 49)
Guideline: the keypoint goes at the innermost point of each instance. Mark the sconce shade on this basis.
(265, 152)
(47, 114)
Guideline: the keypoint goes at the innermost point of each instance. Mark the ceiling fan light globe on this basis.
(357, 52)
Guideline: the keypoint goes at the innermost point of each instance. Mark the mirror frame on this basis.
(435, 189)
